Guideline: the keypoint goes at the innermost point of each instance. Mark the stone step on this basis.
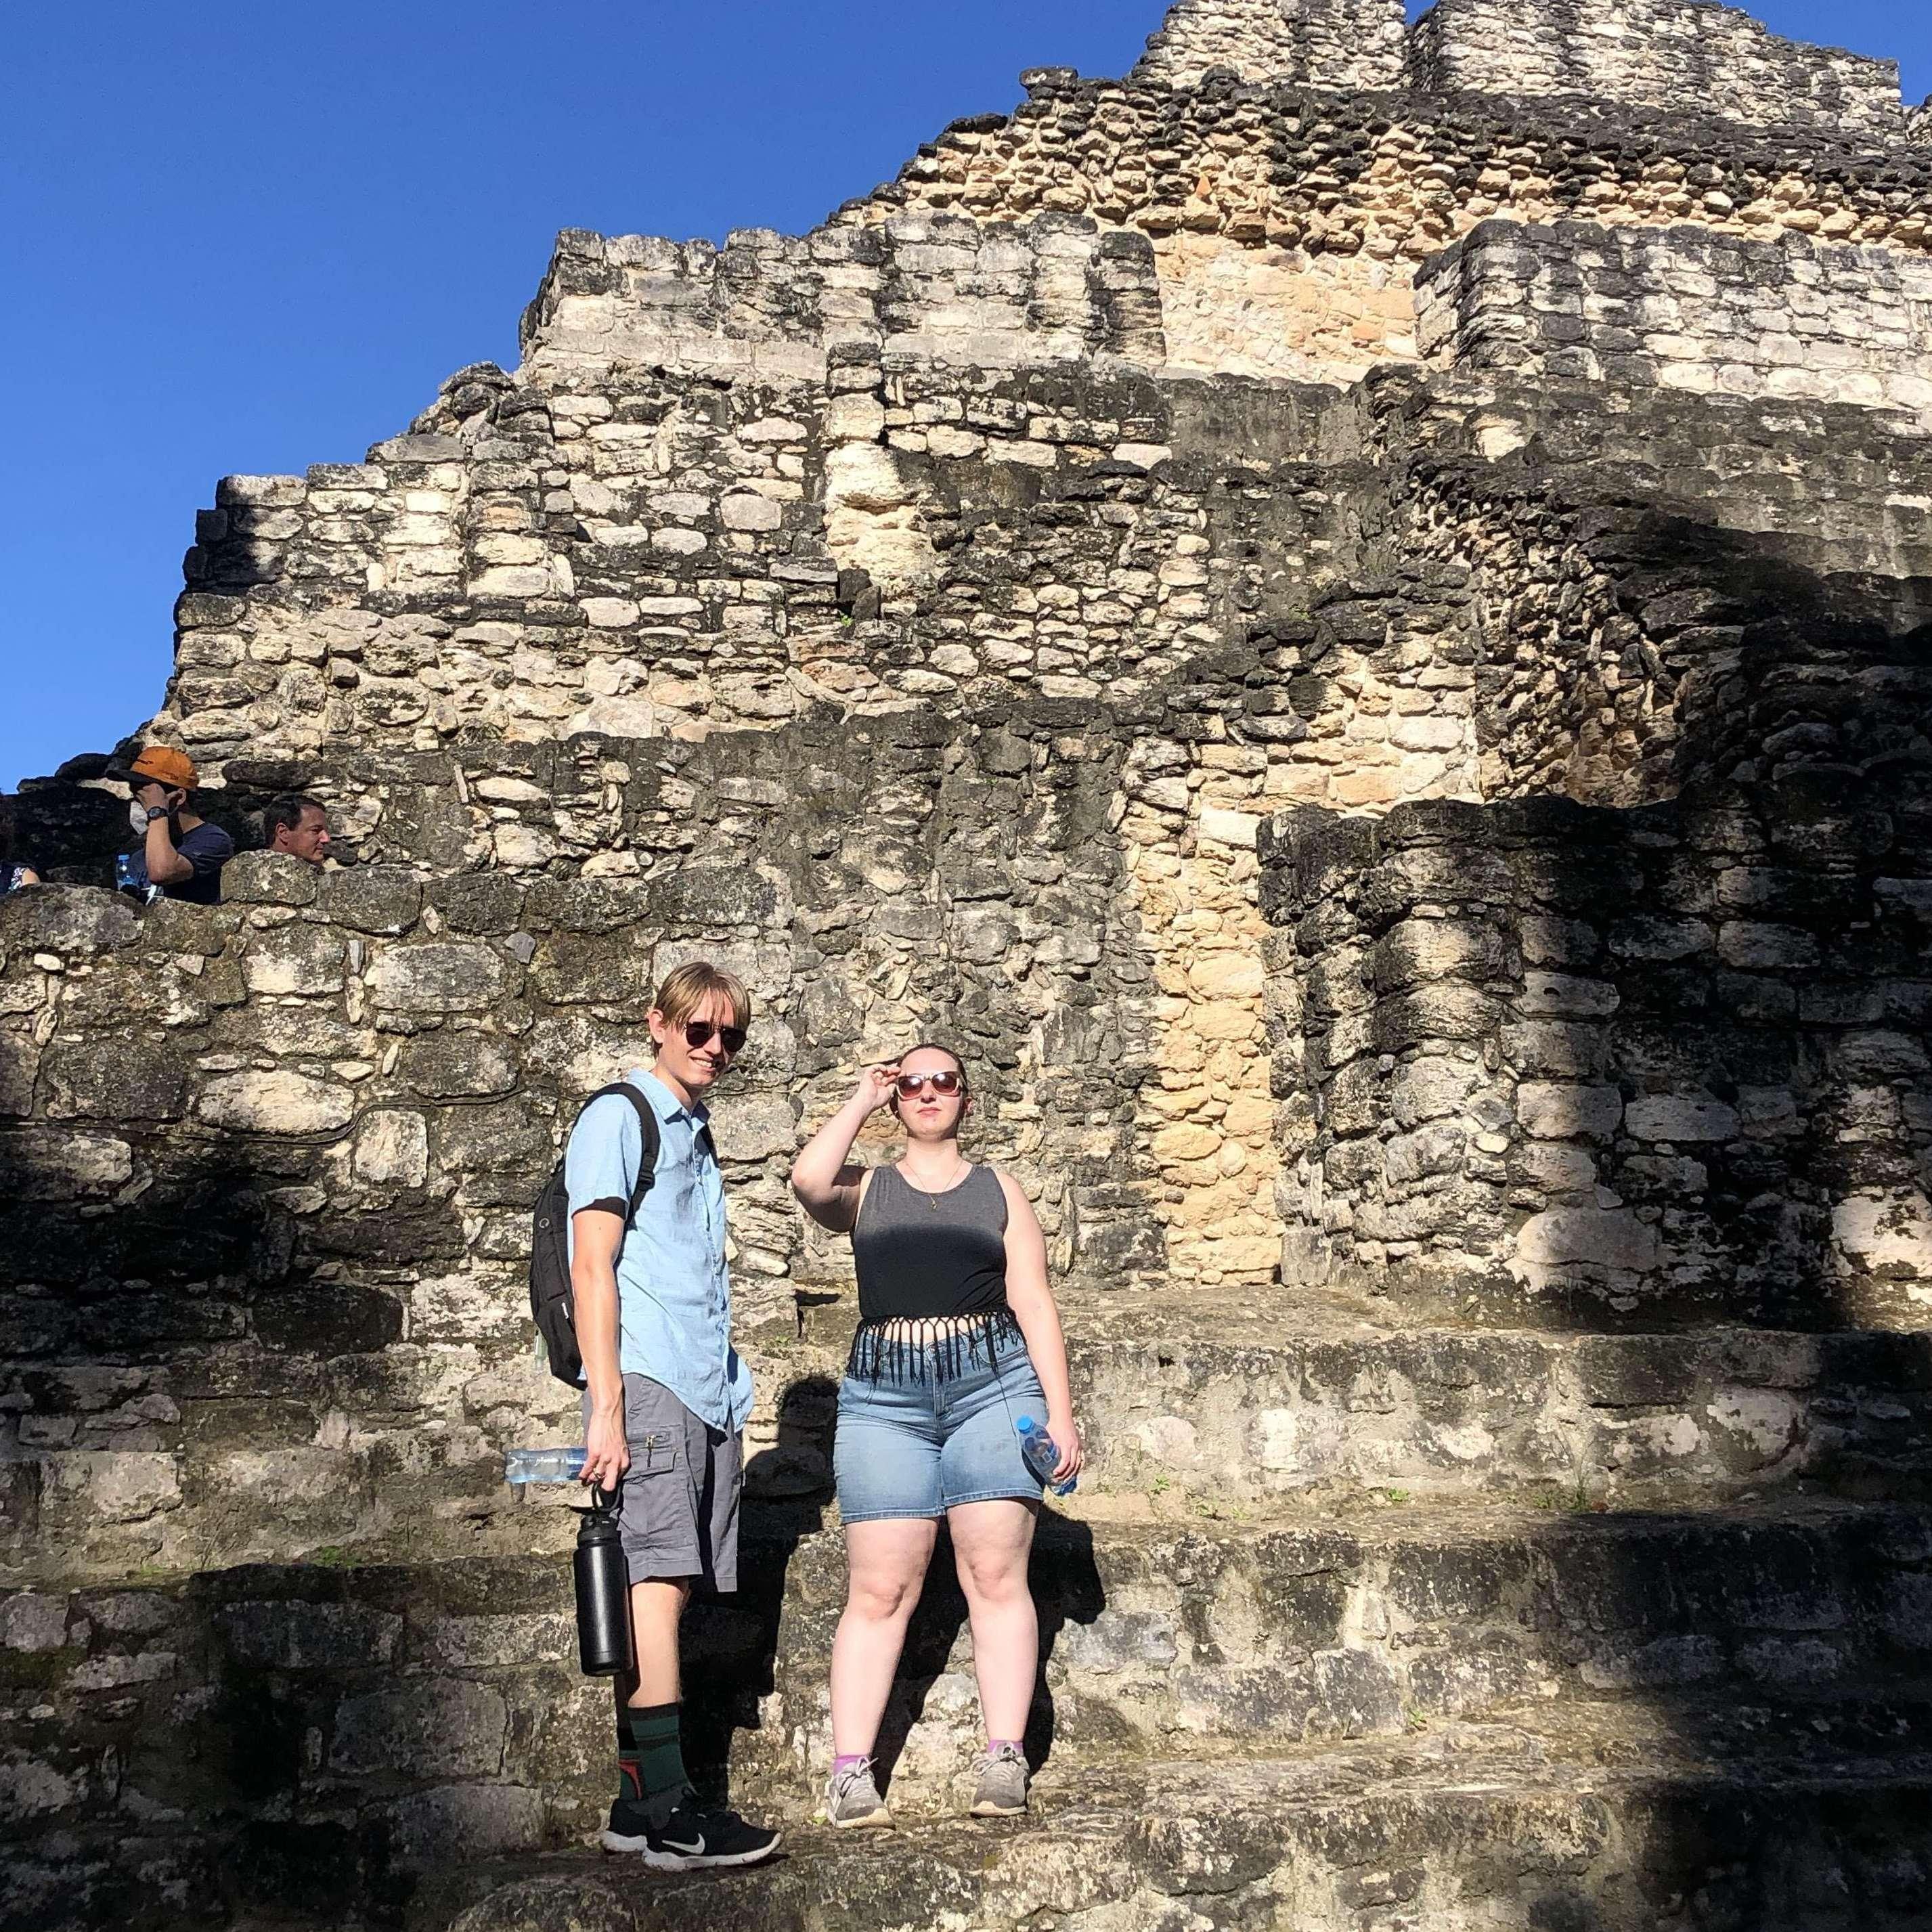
(372, 1704)
(1257, 1397)
(1615, 1823)
(1269, 1404)
(1261, 1394)
(1353, 1625)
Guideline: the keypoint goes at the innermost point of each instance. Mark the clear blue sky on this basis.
(248, 238)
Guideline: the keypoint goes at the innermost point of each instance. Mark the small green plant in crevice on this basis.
(1398, 1497)
(332, 1556)
(1580, 1501)
(1216, 1509)
(1415, 1720)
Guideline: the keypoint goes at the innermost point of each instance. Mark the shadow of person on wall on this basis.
(732, 1644)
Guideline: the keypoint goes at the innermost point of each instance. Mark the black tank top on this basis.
(931, 1257)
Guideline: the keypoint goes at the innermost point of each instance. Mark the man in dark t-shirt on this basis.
(180, 852)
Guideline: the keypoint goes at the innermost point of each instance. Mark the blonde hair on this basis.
(689, 987)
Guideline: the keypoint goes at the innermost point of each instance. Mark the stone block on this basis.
(1219, 827)
(1429, 1087)
(754, 1126)
(1659, 940)
(19, 1067)
(451, 976)
(276, 1103)
(1121, 1641)
(392, 1149)
(463, 1822)
(1561, 1110)
(30, 1787)
(424, 1729)
(113, 1486)
(296, 959)
(510, 1134)
(269, 878)
(31, 1622)
(747, 511)
(1557, 995)
(309, 1636)
(1759, 948)
(496, 1641)
(1588, 1236)
(107, 1077)
(1555, 1049)
(74, 921)
(384, 899)
(1680, 1117)
(447, 1066)
(1887, 1233)
(48, 1165)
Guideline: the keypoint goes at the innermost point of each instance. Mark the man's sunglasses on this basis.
(700, 1033)
(945, 1084)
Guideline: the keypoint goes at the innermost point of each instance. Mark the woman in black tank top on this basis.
(958, 1342)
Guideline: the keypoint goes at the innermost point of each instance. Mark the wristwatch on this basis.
(155, 812)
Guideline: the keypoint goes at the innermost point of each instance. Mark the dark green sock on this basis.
(650, 1758)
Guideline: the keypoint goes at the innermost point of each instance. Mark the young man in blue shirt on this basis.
(667, 1396)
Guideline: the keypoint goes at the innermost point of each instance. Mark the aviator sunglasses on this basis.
(698, 1032)
(945, 1084)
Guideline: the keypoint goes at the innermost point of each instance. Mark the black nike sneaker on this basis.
(689, 1840)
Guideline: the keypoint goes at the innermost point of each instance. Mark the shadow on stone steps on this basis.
(1494, 1827)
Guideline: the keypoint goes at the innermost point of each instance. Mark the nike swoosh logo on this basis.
(692, 1851)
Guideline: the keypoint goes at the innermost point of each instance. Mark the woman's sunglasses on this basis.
(945, 1084)
(699, 1032)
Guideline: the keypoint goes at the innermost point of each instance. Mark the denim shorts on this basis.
(912, 1443)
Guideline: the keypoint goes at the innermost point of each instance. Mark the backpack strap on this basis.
(647, 1160)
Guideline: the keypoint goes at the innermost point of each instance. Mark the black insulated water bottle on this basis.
(603, 1591)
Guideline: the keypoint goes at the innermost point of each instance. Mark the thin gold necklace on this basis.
(932, 1196)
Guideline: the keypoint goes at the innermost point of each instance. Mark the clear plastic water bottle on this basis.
(1042, 1457)
(543, 1466)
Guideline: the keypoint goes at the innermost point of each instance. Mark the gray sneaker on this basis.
(853, 1803)
(1002, 1791)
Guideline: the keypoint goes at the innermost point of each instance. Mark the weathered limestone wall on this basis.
(1392, 177)
(1664, 1065)
(1658, 55)
(269, 1168)
(1327, 43)
(621, 553)
(1287, 227)
(775, 306)
(315, 1117)
(1609, 551)
(1686, 309)
(1116, 543)
(1453, 839)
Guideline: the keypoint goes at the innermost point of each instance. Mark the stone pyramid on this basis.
(1347, 613)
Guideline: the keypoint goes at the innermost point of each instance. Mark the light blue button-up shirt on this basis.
(674, 1286)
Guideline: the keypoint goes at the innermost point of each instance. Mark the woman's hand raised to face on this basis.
(876, 1087)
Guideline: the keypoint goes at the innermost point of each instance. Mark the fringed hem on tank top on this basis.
(931, 1350)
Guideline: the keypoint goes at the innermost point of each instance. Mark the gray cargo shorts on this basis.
(678, 1508)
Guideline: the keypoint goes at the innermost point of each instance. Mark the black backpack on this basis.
(552, 1306)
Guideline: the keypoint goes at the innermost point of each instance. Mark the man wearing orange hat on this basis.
(181, 854)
